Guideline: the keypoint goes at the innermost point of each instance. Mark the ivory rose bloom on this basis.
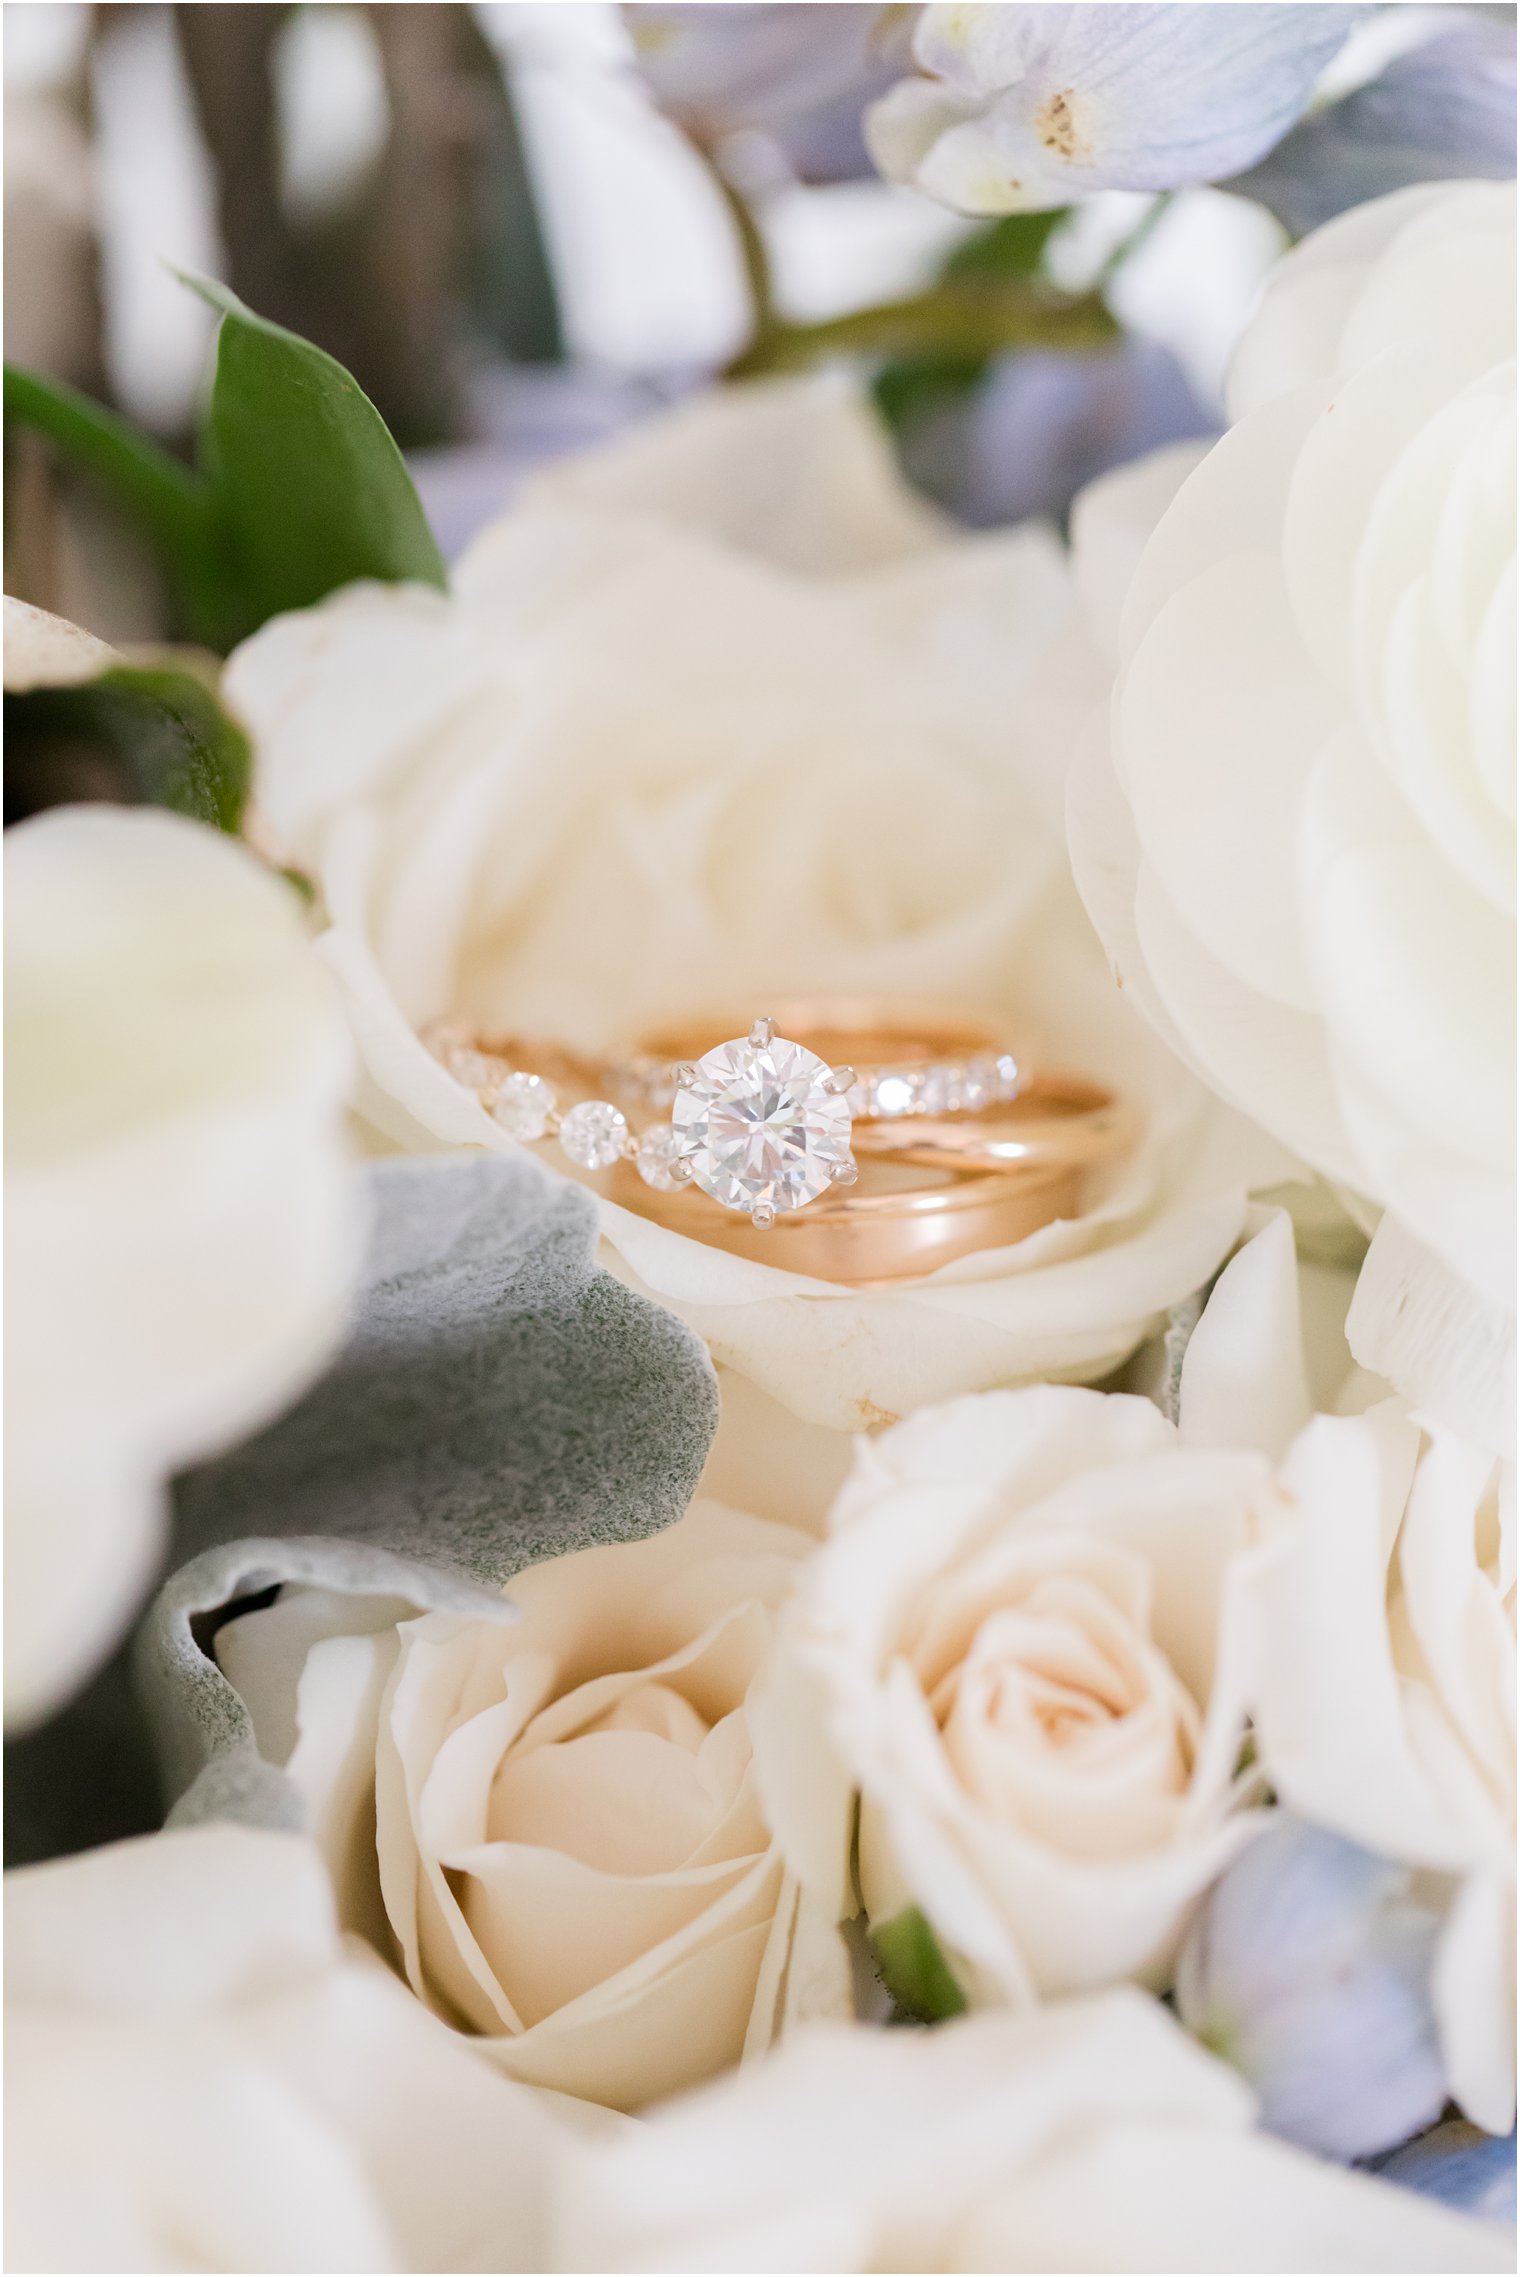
(1382, 1647)
(1092, 2135)
(1296, 831)
(555, 1826)
(1015, 1645)
(723, 714)
(182, 1226)
(200, 2075)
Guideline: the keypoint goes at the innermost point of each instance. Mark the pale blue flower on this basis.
(1023, 108)
(1039, 426)
(1461, 2166)
(1309, 1970)
(1444, 110)
(801, 75)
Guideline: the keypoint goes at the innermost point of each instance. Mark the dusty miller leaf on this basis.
(501, 1400)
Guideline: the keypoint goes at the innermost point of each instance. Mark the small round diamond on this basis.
(659, 1152)
(594, 1134)
(1009, 1076)
(894, 1092)
(760, 1125)
(523, 1105)
(978, 1085)
(476, 1070)
(940, 1090)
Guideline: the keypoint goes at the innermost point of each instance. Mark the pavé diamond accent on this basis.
(659, 1152)
(523, 1105)
(759, 1125)
(594, 1134)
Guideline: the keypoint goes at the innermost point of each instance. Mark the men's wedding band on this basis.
(748, 1140)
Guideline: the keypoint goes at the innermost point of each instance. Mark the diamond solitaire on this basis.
(763, 1125)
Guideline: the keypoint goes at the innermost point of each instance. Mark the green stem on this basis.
(970, 318)
(753, 252)
(1127, 246)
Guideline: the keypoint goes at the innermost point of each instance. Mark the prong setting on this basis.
(763, 1216)
(841, 1080)
(844, 1173)
(684, 1074)
(761, 1033)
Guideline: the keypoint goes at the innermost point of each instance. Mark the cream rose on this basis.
(1382, 1644)
(1296, 833)
(1016, 1647)
(554, 1827)
(199, 2075)
(1092, 2135)
(721, 713)
(182, 1225)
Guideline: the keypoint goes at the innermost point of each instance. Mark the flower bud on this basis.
(1308, 1969)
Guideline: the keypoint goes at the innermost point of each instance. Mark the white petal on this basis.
(1243, 1382)
(1434, 1338)
(1474, 1990)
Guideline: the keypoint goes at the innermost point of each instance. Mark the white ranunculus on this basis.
(1382, 1653)
(555, 1825)
(1015, 1648)
(724, 714)
(182, 1227)
(1093, 2135)
(199, 2076)
(1296, 835)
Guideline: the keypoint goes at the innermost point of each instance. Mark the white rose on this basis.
(182, 1227)
(1015, 1644)
(555, 1825)
(1382, 1647)
(724, 713)
(1093, 2135)
(200, 2076)
(1297, 837)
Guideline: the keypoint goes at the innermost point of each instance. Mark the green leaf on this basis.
(501, 1399)
(914, 1970)
(1011, 247)
(143, 735)
(911, 388)
(172, 504)
(310, 490)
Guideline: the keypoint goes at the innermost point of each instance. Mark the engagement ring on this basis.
(761, 1135)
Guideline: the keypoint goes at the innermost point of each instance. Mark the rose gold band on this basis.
(971, 1148)
(933, 1187)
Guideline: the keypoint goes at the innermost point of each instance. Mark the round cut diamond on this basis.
(659, 1152)
(762, 1124)
(476, 1070)
(523, 1105)
(894, 1092)
(594, 1134)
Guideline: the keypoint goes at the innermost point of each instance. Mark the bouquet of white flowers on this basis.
(760, 1247)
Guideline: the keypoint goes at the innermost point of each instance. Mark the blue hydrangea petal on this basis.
(1442, 111)
(801, 75)
(1309, 1970)
(1461, 2166)
(1061, 100)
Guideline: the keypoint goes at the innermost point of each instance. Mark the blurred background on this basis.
(523, 226)
(488, 216)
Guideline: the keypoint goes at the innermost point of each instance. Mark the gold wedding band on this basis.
(748, 1141)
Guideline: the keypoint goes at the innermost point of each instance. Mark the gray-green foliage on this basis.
(501, 1399)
